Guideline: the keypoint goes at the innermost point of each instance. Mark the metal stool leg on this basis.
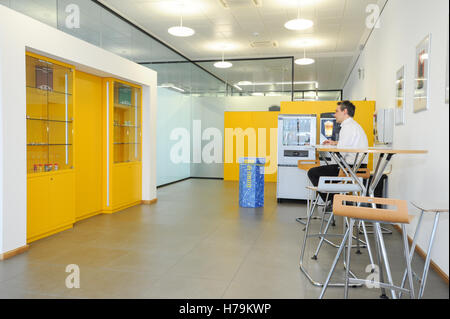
(428, 259)
(408, 261)
(413, 249)
(369, 249)
(349, 253)
(333, 266)
(322, 239)
(380, 267)
(379, 233)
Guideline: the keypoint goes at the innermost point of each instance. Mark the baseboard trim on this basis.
(149, 202)
(423, 254)
(14, 252)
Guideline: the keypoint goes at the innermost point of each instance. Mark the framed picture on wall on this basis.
(400, 97)
(421, 75)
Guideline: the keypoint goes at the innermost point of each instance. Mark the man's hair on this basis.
(347, 105)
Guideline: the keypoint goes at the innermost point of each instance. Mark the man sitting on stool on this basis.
(351, 136)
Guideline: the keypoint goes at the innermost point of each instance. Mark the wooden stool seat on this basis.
(362, 172)
(398, 215)
(306, 165)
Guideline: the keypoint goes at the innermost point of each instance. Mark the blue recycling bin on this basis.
(251, 182)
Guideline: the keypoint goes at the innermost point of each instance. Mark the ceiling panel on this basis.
(339, 27)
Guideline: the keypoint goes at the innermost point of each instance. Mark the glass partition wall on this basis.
(180, 80)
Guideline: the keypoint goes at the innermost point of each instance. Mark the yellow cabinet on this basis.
(50, 166)
(122, 152)
(50, 204)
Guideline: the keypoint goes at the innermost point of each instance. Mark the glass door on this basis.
(127, 123)
(49, 116)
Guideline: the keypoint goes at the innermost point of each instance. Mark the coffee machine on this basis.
(329, 130)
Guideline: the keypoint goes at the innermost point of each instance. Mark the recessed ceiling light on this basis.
(244, 83)
(299, 24)
(223, 65)
(304, 61)
(181, 31)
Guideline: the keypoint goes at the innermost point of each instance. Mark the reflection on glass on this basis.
(296, 132)
(127, 123)
(49, 116)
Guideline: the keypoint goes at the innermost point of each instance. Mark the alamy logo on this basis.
(73, 280)
(73, 17)
(208, 145)
(373, 280)
(373, 19)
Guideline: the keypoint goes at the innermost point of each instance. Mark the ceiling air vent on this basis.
(227, 4)
(264, 44)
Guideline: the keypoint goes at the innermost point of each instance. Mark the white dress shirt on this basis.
(352, 135)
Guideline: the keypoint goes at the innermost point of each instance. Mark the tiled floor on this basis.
(194, 243)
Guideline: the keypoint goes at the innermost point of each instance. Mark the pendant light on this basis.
(304, 60)
(298, 24)
(180, 31)
(223, 64)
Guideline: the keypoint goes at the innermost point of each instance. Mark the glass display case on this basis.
(127, 123)
(49, 116)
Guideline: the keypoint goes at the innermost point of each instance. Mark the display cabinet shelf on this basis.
(49, 144)
(125, 106)
(48, 120)
(47, 90)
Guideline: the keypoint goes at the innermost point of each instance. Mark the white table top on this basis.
(370, 150)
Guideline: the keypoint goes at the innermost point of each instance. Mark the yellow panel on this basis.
(89, 136)
(61, 198)
(38, 219)
(127, 184)
(233, 120)
(267, 120)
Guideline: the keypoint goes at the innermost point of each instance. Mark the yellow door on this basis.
(61, 198)
(135, 173)
(88, 134)
(37, 206)
(121, 185)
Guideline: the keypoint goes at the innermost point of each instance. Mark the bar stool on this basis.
(437, 212)
(306, 165)
(333, 185)
(327, 185)
(365, 174)
(398, 215)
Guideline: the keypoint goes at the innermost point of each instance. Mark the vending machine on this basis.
(296, 138)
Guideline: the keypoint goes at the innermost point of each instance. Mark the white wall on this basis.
(174, 111)
(210, 111)
(419, 178)
(19, 33)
